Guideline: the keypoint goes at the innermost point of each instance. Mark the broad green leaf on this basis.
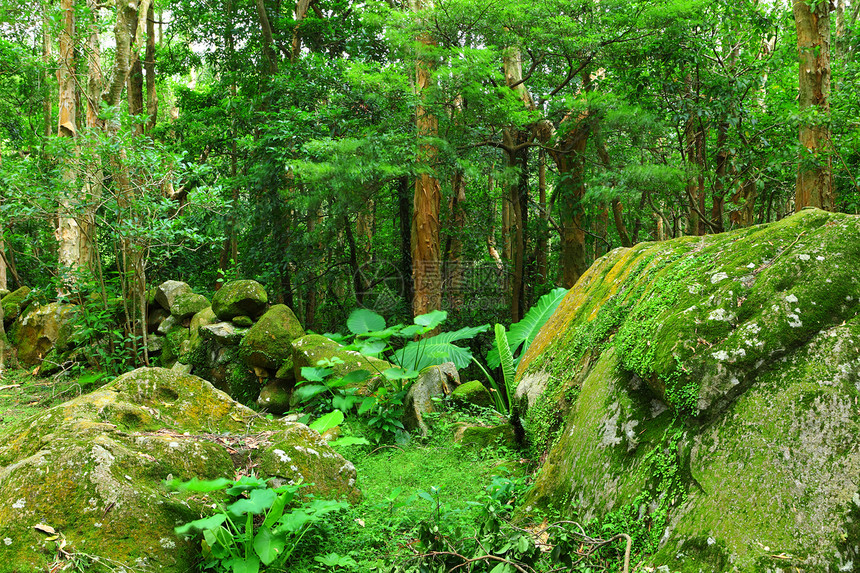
(344, 403)
(438, 349)
(269, 546)
(305, 393)
(366, 405)
(195, 484)
(432, 319)
(248, 564)
(398, 373)
(203, 524)
(523, 332)
(327, 421)
(315, 373)
(258, 501)
(294, 521)
(509, 370)
(245, 483)
(372, 347)
(363, 320)
(414, 329)
(356, 376)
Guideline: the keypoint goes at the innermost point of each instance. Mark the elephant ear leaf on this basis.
(521, 334)
(509, 369)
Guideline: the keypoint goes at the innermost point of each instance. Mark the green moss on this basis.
(244, 297)
(268, 344)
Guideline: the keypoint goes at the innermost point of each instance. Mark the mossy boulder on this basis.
(701, 393)
(275, 396)
(238, 298)
(202, 318)
(92, 469)
(268, 344)
(167, 292)
(310, 349)
(40, 329)
(14, 304)
(474, 393)
(187, 304)
(433, 383)
(482, 437)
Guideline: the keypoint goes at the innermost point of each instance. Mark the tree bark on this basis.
(69, 232)
(426, 270)
(569, 157)
(268, 38)
(542, 242)
(454, 272)
(814, 174)
(149, 68)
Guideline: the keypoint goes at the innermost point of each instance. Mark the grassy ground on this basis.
(396, 480)
(23, 395)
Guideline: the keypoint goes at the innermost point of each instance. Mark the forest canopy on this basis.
(406, 156)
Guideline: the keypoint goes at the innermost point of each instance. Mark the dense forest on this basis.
(407, 157)
(205, 187)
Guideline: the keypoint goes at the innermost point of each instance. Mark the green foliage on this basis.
(260, 527)
(522, 333)
(508, 368)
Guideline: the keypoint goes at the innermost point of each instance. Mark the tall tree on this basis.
(426, 259)
(814, 172)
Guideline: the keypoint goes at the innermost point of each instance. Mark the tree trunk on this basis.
(69, 233)
(570, 160)
(814, 173)
(301, 12)
(454, 272)
(425, 216)
(47, 103)
(268, 38)
(404, 217)
(718, 196)
(542, 242)
(149, 68)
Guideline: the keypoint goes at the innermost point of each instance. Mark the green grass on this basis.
(23, 395)
(381, 531)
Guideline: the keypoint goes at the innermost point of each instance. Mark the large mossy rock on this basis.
(14, 304)
(268, 344)
(166, 293)
(702, 392)
(92, 469)
(310, 349)
(239, 298)
(42, 328)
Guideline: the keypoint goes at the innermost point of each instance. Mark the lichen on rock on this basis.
(92, 468)
(701, 389)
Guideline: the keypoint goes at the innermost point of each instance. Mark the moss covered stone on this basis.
(188, 304)
(310, 349)
(243, 321)
(202, 318)
(472, 392)
(13, 304)
(268, 344)
(167, 292)
(237, 298)
(40, 329)
(700, 390)
(92, 469)
(482, 437)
